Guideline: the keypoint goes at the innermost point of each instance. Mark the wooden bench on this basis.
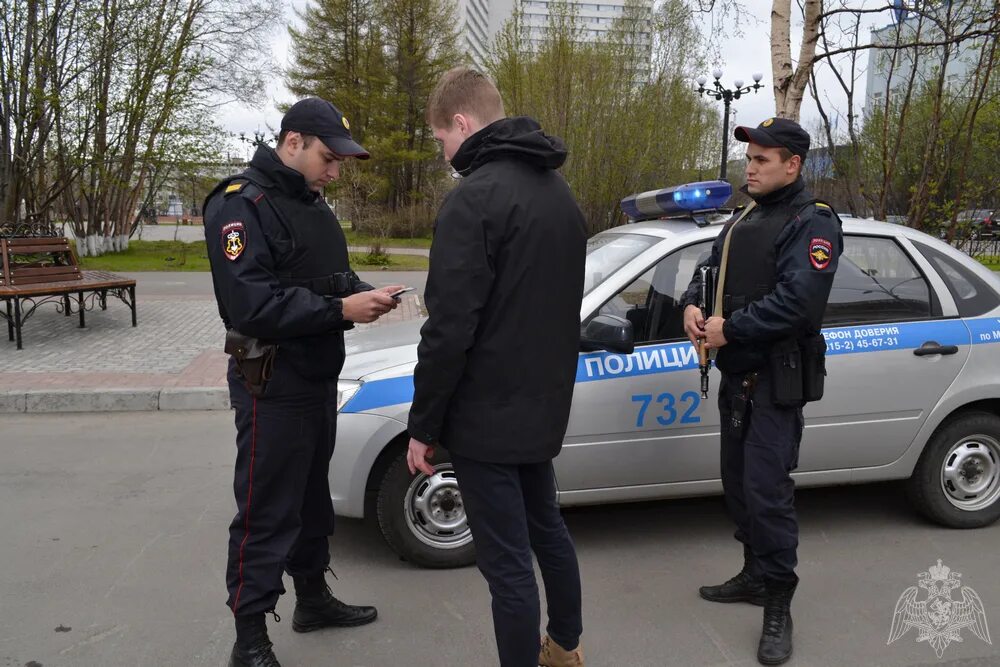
(37, 270)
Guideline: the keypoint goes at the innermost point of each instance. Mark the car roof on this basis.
(681, 227)
(683, 230)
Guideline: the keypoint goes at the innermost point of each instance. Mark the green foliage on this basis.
(378, 62)
(108, 98)
(927, 149)
(377, 257)
(962, 174)
(623, 104)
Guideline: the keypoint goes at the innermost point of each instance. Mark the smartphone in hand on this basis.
(397, 294)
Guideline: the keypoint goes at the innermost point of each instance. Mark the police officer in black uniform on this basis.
(781, 260)
(286, 295)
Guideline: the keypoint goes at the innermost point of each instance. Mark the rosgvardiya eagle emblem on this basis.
(939, 618)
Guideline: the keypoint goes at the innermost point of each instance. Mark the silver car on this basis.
(912, 391)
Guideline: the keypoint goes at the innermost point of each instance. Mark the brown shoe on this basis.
(554, 655)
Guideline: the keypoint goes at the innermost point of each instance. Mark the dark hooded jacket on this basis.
(498, 355)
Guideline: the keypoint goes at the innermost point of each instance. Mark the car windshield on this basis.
(608, 252)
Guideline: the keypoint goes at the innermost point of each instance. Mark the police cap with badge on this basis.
(776, 133)
(317, 117)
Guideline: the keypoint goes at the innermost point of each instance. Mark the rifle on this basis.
(706, 298)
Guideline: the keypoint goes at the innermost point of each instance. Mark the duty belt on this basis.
(335, 284)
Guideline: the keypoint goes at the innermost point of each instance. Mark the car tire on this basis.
(957, 480)
(422, 518)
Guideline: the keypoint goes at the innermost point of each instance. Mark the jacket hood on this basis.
(519, 138)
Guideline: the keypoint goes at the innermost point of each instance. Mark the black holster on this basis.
(740, 403)
(254, 359)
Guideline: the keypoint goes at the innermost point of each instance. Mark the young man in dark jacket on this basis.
(498, 356)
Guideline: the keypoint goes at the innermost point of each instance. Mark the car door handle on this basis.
(933, 347)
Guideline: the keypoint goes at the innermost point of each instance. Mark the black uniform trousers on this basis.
(757, 460)
(512, 511)
(284, 442)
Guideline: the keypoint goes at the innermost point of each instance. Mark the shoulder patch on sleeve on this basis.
(820, 253)
(235, 186)
(234, 239)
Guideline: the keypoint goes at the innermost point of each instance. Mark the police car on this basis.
(912, 391)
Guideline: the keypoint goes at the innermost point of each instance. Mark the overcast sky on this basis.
(738, 56)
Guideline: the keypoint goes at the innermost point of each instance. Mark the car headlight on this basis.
(346, 389)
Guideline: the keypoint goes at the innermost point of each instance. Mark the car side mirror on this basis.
(608, 332)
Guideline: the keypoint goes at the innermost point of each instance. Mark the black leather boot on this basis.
(315, 607)
(252, 647)
(744, 587)
(776, 636)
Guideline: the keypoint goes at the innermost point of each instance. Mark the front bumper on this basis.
(361, 437)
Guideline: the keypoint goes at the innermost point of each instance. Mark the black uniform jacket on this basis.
(498, 355)
(795, 306)
(249, 246)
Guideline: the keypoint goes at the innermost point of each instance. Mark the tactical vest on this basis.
(318, 259)
(752, 273)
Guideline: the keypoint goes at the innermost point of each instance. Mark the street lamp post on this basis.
(727, 96)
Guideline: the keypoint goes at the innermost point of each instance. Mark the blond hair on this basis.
(466, 91)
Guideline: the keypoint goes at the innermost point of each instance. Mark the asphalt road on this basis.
(114, 542)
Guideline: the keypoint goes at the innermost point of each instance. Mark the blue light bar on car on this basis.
(680, 199)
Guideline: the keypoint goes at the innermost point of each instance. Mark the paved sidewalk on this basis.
(172, 361)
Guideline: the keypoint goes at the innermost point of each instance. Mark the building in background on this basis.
(884, 76)
(596, 18)
(481, 20)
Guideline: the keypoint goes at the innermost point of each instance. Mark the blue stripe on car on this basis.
(679, 356)
(380, 393)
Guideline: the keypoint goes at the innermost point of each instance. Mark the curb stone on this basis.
(113, 400)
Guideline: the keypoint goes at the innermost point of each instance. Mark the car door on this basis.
(891, 353)
(639, 419)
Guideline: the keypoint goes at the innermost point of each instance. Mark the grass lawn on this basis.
(152, 256)
(397, 263)
(356, 239)
(179, 256)
(991, 262)
(364, 240)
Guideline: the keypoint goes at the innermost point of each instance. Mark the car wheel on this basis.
(422, 517)
(957, 479)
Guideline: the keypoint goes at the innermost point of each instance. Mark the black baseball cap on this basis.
(320, 118)
(776, 132)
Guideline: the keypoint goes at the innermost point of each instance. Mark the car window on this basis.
(606, 253)
(652, 301)
(876, 281)
(972, 295)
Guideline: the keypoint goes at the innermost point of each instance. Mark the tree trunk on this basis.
(789, 81)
